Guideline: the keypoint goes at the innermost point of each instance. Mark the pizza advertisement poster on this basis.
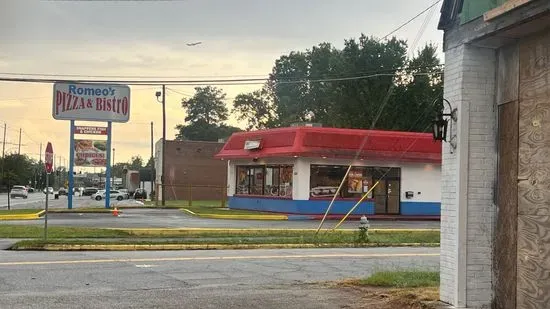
(92, 153)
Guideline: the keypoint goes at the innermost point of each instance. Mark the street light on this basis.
(163, 102)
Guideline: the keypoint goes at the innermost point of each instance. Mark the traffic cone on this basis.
(115, 212)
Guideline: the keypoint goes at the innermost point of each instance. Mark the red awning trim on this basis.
(335, 143)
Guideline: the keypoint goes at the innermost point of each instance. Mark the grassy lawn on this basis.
(19, 211)
(403, 279)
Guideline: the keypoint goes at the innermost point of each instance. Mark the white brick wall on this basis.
(468, 174)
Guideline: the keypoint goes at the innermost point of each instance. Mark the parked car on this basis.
(29, 189)
(62, 191)
(89, 191)
(19, 191)
(140, 194)
(50, 190)
(125, 192)
(99, 195)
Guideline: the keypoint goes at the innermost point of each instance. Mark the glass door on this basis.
(380, 198)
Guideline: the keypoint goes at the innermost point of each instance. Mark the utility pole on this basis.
(19, 149)
(163, 165)
(163, 178)
(152, 167)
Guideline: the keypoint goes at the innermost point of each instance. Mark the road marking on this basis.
(211, 258)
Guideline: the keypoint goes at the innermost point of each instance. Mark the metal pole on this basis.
(108, 171)
(3, 152)
(152, 167)
(113, 157)
(46, 208)
(71, 168)
(162, 178)
(19, 148)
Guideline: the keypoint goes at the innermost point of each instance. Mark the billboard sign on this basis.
(90, 153)
(90, 130)
(91, 102)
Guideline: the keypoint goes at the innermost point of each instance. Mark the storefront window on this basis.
(325, 180)
(270, 180)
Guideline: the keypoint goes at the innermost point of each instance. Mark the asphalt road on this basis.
(169, 218)
(195, 279)
(173, 218)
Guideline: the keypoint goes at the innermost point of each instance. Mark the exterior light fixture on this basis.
(440, 125)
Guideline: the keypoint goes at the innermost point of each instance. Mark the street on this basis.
(174, 218)
(195, 279)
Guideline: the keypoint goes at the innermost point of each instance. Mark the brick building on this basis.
(191, 170)
(494, 214)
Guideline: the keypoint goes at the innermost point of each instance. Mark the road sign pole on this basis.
(48, 163)
(108, 167)
(46, 208)
(71, 164)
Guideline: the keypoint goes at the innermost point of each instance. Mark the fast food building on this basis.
(297, 170)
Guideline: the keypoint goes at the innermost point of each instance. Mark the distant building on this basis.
(191, 171)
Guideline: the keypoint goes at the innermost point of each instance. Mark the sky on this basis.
(240, 38)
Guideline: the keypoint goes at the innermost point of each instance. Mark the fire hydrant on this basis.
(364, 229)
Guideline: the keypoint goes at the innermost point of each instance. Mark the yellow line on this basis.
(210, 258)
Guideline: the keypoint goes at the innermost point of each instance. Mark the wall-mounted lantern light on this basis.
(440, 125)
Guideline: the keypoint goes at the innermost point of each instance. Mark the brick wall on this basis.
(468, 175)
(191, 170)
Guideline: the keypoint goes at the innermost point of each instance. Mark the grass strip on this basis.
(403, 279)
(19, 212)
(378, 236)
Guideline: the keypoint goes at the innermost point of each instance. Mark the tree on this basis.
(206, 116)
(256, 108)
(207, 105)
(201, 131)
(366, 84)
(17, 170)
(136, 162)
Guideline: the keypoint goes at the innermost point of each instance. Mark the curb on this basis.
(158, 247)
(247, 230)
(238, 217)
(23, 217)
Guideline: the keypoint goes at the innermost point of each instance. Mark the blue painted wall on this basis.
(315, 207)
(420, 209)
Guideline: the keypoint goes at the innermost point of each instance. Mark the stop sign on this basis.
(49, 158)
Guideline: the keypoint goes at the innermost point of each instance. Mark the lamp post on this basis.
(163, 102)
(440, 124)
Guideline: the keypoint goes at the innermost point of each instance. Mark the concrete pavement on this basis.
(194, 279)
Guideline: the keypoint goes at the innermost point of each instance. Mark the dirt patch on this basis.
(363, 297)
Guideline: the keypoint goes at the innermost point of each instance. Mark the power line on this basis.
(206, 82)
(128, 77)
(410, 20)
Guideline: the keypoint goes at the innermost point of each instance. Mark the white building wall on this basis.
(301, 178)
(423, 178)
(468, 174)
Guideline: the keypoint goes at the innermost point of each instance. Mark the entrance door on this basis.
(387, 197)
(387, 193)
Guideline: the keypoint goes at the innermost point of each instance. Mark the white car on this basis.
(119, 196)
(19, 191)
(50, 190)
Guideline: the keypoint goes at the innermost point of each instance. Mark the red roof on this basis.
(334, 143)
